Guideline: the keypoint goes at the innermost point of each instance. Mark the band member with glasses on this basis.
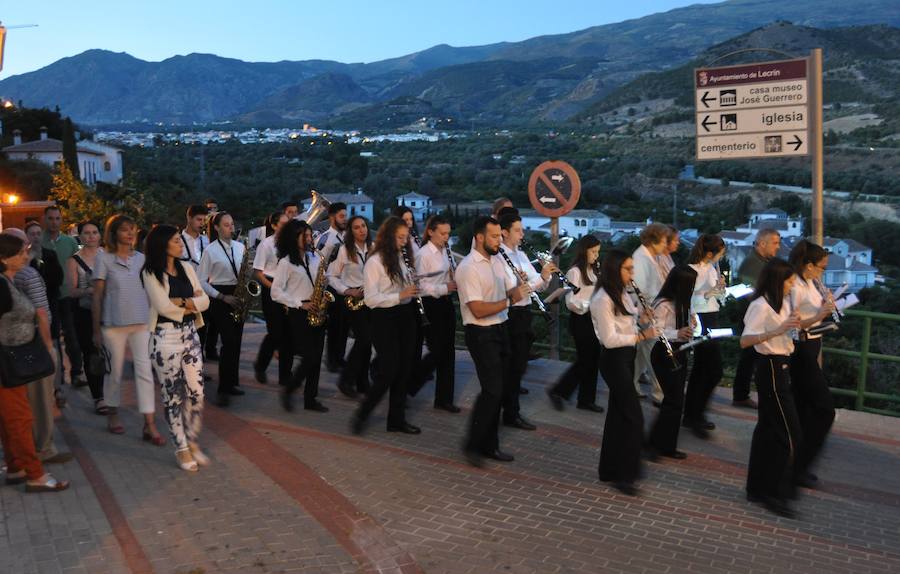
(293, 286)
(615, 318)
(218, 273)
(815, 405)
(389, 289)
(777, 437)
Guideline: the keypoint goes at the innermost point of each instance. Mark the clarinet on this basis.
(662, 338)
(524, 280)
(826, 296)
(545, 257)
(407, 260)
(450, 259)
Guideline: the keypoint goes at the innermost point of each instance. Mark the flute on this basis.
(662, 338)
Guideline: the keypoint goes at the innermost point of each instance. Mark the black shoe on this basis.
(707, 424)
(358, 424)
(591, 407)
(261, 377)
(405, 428)
(779, 507)
(523, 391)
(451, 408)
(499, 456)
(223, 400)
(519, 423)
(699, 429)
(676, 454)
(473, 457)
(236, 392)
(807, 480)
(626, 488)
(287, 401)
(316, 406)
(556, 400)
(347, 390)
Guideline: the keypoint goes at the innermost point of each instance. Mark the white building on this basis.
(96, 162)
(774, 219)
(357, 203)
(418, 203)
(576, 223)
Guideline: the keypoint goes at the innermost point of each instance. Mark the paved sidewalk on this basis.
(298, 493)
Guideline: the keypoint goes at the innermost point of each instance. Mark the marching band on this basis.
(631, 316)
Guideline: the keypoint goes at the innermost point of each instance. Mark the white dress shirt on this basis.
(431, 259)
(344, 274)
(328, 241)
(580, 303)
(664, 315)
(807, 300)
(266, 257)
(649, 275)
(379, 290)
(193, 249)
(703, 300)
(480, 278)
(220, 265)
(522, 262)
(256, 236)
(666, 263)
(614, 330)
(760, 318)
(292, 284)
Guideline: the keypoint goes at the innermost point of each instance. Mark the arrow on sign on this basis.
(706, 123)
(547, 200)
(796, 142)
(558, 177)
(706, 99)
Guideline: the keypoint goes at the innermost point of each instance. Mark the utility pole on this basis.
(816, 145)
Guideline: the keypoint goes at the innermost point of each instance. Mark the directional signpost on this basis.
(554, 189)
(763, 110)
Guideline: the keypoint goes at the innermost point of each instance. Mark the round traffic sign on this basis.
(554, 188)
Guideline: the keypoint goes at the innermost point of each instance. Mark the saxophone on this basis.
(321, 297)
(247, 289)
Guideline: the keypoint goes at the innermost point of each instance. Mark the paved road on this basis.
(298, 493)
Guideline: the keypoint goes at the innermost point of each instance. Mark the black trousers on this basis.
(274, 315)
(777, 438)
(67, 308)
(394, 336)
(84, 330)
(520, 338)
(440, 336)
(747, 363)
(231, 333)
(706, 372)
(490, 350)
(307, 341)
(356, 373)
(583, 372)
(664, 432)
(338, 329)
(210, 334)
(623, 431)
(815, 405)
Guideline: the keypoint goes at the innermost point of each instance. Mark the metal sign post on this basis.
(554, 189)
(816, 143)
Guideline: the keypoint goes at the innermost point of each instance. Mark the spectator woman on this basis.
(17, 327)
(176, 304)
(81, 290)
(120, 316)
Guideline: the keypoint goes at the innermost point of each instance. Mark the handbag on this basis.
(26, 363)
(99, 362)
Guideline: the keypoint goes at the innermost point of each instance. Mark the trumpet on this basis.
(662, 338)
(523, 280)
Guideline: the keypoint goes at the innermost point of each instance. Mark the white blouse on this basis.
(344, 274)
(807, 300)
(220, 265)
(703, 300)
(293, 285)
(429, 260)
(266, 257)
(379, 290)
(760, 318)
(614, 330)
(580, 303)
(664, 315)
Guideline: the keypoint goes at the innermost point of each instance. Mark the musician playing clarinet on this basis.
(389, 289)
(519, 326)
(815, 406)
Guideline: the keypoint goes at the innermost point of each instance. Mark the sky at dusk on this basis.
(272, 30)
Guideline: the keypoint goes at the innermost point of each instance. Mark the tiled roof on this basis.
(48, 145)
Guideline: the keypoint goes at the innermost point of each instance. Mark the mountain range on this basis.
(547, 79)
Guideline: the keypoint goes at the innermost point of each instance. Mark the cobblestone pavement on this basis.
(296, 492)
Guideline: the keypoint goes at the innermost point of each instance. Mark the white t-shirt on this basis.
(761, 318)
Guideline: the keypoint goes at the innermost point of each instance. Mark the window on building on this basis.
(352, 210)
(107, 166)
(577, 223)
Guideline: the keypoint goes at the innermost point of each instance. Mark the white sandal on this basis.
(186, 461)
(199, 456)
